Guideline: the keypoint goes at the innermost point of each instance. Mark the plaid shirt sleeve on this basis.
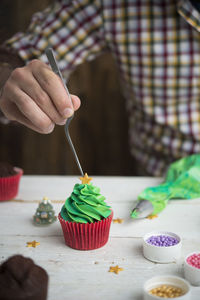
(73, 28)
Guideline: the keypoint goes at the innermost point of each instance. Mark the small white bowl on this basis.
(191, 273)
(161, 254)
(167, 280)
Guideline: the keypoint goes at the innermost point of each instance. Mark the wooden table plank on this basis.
(74, 274)
(184, 219)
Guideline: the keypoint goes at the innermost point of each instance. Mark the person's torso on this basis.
(158, 55)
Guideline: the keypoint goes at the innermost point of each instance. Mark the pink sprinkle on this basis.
(194, 260)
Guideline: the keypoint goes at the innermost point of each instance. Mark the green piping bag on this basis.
(182, 182)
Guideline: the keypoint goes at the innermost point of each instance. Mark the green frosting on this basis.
(85, 205)
(182, 182)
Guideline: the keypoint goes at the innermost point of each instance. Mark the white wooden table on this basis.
(81, 275)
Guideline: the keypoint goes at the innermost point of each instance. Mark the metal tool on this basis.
(143, 209)
(52, 61)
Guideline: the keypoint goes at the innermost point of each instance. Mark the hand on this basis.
(35, 97)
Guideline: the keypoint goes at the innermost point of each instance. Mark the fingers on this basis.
(35, 96)
(54, 87)
(12, 112)
(76, 102)
(32, 111)
(34, 91)
(16, 105)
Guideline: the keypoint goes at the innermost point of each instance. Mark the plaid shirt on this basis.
(156, 46)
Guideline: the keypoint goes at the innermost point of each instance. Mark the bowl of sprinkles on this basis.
(162, 247)
(192, 268)
(166, 286)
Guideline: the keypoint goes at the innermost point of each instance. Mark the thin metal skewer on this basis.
(52, 61)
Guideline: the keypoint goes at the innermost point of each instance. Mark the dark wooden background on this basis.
(99, 129)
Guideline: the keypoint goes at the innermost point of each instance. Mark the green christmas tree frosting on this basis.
(85, 205)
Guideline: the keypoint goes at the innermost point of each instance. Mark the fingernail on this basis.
(50, 129)
(68, 112)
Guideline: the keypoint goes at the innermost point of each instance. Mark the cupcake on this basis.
(21, 278)
(9, 181)
(85, 217)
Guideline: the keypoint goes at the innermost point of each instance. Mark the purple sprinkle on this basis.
(162, 240)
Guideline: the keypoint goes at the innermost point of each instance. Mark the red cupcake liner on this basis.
(9, 186)
(88, 236)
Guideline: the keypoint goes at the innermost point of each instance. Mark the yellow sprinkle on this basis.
(115, 269)
(118, 220)
(150, 217)
(33, 244)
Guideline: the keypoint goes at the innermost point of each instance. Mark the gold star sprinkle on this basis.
(85, 179)
(115, 269)
(118, 220)
(33, 244)
(150, 217)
